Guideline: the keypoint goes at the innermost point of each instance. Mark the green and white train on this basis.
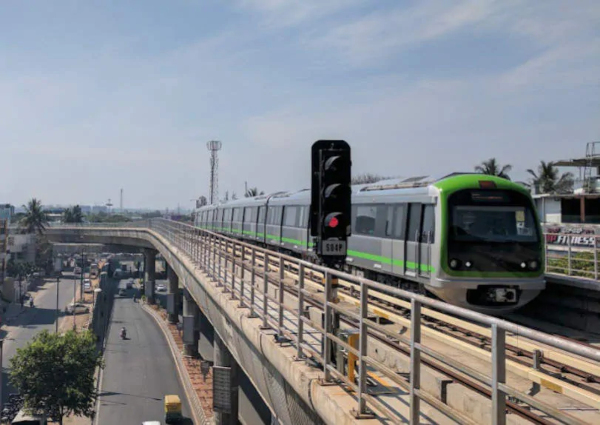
(470, 239)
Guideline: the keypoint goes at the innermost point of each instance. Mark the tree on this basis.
(233, 196)
(367, 178)
(58, 371)
(492, 167)
(226, 196)
(253, 191)
(35, 219)
(549, 180)
(73, 215)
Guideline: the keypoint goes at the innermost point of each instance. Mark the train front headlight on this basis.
(523, 265)
(468, 264)
(454, 263)
(533, 265)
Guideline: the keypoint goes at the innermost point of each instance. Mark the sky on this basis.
(100, 95)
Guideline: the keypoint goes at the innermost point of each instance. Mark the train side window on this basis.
(261, 214)
(365, 219)
(414, 222)
(306, 217)
(289, 219)
(399, 223)
(428, 234)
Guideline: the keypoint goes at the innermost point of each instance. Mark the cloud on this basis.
(290, 13)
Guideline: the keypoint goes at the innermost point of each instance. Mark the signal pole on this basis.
(330, 212)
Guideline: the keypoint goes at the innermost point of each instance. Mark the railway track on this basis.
(550, 368)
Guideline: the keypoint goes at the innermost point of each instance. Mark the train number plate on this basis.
(333, 248)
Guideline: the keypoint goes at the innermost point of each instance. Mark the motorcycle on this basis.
(123, 333)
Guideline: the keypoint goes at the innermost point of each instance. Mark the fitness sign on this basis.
(577, 236)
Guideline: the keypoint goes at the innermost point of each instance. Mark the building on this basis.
(7, 211)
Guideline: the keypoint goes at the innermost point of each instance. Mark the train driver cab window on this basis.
(365, 220)
(428, 234)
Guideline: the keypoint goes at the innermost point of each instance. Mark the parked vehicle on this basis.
(161, 288)
(77, 308)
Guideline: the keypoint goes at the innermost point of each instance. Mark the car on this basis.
(87, 287)
(77, 270)
(161, 288)
(129, 284)
(77, 308)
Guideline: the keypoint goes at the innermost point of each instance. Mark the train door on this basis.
(413, 236)
(399, 238)
(426, 240)
(387, 252)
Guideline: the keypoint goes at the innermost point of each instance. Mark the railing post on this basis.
(219, 263)
(252, 282)
(300, 325)
(233, 251)
(327, 328)
(280, 298)
(415, 360)
(242, 276)
(213, 248)
(265, 291)
(498, 375)
(362, 348)
(226, 266)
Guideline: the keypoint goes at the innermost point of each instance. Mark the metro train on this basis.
(472, 240)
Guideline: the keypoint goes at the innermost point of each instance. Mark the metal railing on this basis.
(229, 261)
(572, 254)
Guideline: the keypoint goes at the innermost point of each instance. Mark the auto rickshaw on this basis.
(173, 412)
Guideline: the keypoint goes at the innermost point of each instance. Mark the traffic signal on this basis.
(331, 196)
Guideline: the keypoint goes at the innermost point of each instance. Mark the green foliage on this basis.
(58, 371)
(582, 264)
(153, 214)
(491, 167)
(103, 217)
(73, 215)
(15, 269)
(35, 219)
(367, 178)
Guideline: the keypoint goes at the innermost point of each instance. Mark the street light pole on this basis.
(1, 383)
(57, 310)
(82, 274)
(74, 299)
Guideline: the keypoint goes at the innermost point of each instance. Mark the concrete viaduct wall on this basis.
(289, 387)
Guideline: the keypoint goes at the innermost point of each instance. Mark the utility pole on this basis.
(57, 307)
(74, 299)
(82, 274)
(1, 383)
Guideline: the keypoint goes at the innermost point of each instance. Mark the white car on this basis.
(77, 308)
(161, 288)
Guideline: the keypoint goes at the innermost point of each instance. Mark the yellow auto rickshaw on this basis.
(173, 412)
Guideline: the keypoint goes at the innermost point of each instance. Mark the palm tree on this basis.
(35, 218)
(549, 180)
(491, 167)
(253, 191)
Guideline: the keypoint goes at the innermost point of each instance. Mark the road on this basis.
(139, 370)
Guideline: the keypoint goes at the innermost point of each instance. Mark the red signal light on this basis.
(333, 222)
(487, 184)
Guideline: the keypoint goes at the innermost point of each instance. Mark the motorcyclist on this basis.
(123, 332)
(31, 302)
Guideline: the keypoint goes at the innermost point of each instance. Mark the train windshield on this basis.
(492, 216)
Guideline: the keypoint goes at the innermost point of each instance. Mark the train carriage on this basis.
(472, 240)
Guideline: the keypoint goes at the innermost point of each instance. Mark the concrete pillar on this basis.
(223, 357)
(149, 279)
(172, 295)
(190, 326)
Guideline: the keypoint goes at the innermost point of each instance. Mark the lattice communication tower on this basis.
(214, 146)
